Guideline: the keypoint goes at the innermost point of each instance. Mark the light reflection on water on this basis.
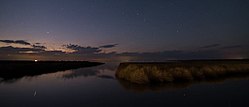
(97, 86)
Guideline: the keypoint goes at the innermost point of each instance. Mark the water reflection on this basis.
(173, 86)
(105, 71)
(152, 87)
(97, 86)
(67, 74)
(80, 73)
(106, 77)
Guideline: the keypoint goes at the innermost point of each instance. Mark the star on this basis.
(123, 13)
(35, 93)
(145, 20)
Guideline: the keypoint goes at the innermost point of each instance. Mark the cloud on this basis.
(210, 46)
(232, 47)
(39, 47)
(22, 42)
(83, 50)
(95, 53)
(172, 55)
(108, 46)
(55, 52)
(14, 50)
(33, 47)
(38, 43)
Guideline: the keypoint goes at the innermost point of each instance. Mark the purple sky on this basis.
(123, 30)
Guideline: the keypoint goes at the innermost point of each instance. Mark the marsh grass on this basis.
(142, 73)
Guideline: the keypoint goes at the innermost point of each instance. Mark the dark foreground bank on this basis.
(181, 71)
(18, 69)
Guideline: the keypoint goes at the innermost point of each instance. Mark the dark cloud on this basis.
(55, 52)
(14, 50)
(232, 47)
(39, 47)
(210, 46)
(10, 52)
(95, 54)
(173, 55)
(108, 46)
(92, 54)
(22, 42)
(38, 43)
(83, 50)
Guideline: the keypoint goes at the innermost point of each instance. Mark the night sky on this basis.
(124, 30)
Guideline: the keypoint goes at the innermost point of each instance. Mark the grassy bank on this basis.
(181, 71)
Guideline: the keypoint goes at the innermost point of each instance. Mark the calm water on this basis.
(97, 86)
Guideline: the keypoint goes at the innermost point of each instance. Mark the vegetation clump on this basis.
(181, 71)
